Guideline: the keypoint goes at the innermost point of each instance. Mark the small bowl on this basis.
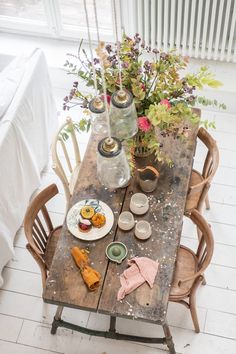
(116, 251)
(139, 204)
(126, 221)
(143, 230)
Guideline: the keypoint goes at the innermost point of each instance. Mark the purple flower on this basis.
(96, 61)
(137, 38)
(125, 65)
(147, 65)
(164, 56)
(191, 99)
(108, 48)
(155, 51)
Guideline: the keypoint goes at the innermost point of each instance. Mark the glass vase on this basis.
(141, 149)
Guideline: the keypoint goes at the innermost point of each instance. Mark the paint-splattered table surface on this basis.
(65, 286)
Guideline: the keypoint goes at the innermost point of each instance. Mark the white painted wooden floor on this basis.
(25, 320)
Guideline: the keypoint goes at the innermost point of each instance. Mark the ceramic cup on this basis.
(126, 221)
(147, 178)
(139, 204)
(143, 230)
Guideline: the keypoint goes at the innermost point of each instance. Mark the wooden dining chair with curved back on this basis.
(41, 235)
(200, 182)
(190, 267)
(65, 164)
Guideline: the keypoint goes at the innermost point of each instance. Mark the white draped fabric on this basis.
(25, 135)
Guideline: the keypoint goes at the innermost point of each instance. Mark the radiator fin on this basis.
(199, 28)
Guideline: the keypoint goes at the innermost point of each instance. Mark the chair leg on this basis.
(56, 319)
(207, 202)
(192, 305)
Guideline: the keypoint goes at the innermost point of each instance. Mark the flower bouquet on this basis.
(163, 98)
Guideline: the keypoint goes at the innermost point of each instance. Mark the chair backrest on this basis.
(64, 161)
(197, 192)
(212, 158)
(205, 247)
(38, 227)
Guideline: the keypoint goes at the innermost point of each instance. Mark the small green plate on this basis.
(116, 252)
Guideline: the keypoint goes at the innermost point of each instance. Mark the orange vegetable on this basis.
(98, 220)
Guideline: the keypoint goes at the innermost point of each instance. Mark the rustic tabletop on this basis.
(65, 286)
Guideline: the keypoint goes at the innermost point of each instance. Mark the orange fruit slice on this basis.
(98, 220)
(87, 212)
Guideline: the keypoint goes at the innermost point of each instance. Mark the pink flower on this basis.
(144, 124)
(108, 98)
(166, 103)
(143, 87)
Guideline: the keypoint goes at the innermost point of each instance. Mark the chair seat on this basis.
(186, 266)
(195, 178)
(51, 246)
(74, 178)
(192, 199)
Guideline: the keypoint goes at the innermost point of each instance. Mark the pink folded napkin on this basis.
(140, 269)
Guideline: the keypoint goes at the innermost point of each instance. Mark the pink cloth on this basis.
(140, 269)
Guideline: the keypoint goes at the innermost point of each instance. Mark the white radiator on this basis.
(199, 28)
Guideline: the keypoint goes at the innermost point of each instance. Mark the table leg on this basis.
(56, 319)
(169, 340)
(112, 324)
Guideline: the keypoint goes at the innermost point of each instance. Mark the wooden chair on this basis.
(42, 237)
(190, 267)
(200, 182)
(67, 171)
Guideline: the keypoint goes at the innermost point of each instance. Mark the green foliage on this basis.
(203, 78)
(82, 126)
(207, 102)
(150, 80)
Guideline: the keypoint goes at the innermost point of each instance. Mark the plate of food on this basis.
(90, 219)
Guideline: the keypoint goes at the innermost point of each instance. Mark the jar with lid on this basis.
(123, 115)
(99, 121)
(112, 165)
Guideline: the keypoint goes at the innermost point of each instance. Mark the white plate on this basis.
(95, 233)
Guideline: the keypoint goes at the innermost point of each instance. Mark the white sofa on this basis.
(27, 124)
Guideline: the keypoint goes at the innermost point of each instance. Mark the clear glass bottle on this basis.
(112, 165)
(99, 121)
(123, 115)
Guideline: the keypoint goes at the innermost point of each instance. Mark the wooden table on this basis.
(65, 286)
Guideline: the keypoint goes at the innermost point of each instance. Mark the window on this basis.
(55, 18)
(24, 15)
